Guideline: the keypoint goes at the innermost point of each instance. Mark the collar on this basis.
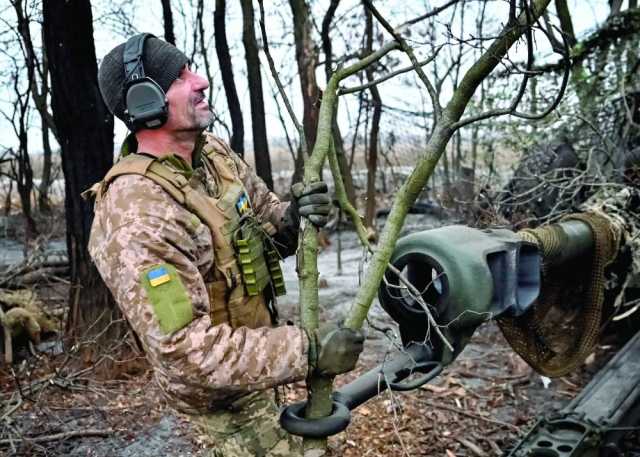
(130, 146)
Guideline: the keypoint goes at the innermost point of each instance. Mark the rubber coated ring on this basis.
(292, 422)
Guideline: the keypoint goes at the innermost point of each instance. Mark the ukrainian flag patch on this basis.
(242, 205)
(158, 276)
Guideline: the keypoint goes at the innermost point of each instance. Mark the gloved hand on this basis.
(312, 202)
(334, 350)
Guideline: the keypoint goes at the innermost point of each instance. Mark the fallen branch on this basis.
(474, 448)
(37, 275)
(62, 436)
(467, 414)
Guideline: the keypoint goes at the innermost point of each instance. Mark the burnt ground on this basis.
(84, 402)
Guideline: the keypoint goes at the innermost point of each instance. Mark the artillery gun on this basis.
(467, 276)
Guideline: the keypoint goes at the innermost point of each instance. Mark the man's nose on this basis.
(201, 83)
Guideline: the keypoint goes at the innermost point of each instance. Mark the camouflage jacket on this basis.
(202, 366)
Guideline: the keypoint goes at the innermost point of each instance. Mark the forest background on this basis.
(566, 90)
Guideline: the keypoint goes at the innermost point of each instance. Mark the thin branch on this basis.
(437, 109)
(417, 295)
(431, 13)
(512, 107)
(350, 90)
(276, 78)
(461, 412)
(64, 435)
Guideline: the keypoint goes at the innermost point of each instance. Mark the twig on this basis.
(512, 108)
(437, 109)
(64, 435)
(431, 13)
(467, 414)
(418, 297)
(8, 345)
(276, 78)
(475, 450)
(350, 90)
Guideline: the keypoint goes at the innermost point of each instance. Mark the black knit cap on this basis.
(162, 63)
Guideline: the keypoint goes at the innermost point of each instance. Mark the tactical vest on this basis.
(246, 265)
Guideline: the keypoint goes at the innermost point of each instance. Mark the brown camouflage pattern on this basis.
(203, 366)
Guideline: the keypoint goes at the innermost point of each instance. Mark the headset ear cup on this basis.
(146, 104)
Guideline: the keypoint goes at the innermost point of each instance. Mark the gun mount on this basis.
(595, 421)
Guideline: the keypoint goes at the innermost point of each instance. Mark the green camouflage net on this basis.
(562, 328)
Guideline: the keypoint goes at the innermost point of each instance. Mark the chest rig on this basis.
(246, 274)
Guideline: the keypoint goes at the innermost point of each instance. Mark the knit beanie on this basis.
(162, 63)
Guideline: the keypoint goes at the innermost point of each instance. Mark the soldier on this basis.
(187, 237)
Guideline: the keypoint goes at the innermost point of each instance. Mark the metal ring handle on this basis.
(292, 420)
(435, 368)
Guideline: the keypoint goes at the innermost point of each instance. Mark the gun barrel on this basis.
(561, 242)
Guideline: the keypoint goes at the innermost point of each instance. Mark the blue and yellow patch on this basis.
(168, 297)
(157, 276)
(242, 205)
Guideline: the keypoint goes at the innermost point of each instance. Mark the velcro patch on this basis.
(168, 296)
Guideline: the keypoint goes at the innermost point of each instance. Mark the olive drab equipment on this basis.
(145, 101)
(246, 274)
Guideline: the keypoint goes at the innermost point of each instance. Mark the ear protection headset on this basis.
(144, 100)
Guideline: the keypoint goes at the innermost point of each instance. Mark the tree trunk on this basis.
(85, 129)
(45, 179)
(616, 7)
(47, 154)
(258, 122)
(204, 51)
(372, 155)
(345, 170)
(39, 95)
(566, 24)
(226, 72)
(21, 164)
(7, 199)
(24, 179)
(167, 17)
(307, 60)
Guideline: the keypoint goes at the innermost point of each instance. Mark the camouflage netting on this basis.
(561, 330)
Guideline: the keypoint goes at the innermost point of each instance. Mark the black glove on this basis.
(334, 350)
(312, 202)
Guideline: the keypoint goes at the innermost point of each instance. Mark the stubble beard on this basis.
(198, 121)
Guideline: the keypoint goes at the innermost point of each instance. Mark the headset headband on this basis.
(132, 57)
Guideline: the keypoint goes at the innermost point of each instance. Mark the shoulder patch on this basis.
(158, 276)
(242, 205)
(168, 296)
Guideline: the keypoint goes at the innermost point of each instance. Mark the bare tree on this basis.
(254, 77)
(307, 60)
(85, 130)
(226, 72)
(38, 69)
(167, 16)
(21, 170)
(372, 152)
(327, 49)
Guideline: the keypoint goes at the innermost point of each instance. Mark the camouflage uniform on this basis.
(205, 368)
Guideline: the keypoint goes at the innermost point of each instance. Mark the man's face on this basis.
(188, 106)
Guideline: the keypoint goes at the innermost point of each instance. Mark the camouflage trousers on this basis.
(249, 429)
